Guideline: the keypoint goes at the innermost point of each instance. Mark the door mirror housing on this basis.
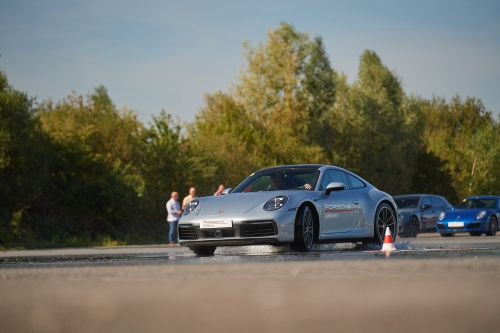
(426, 206)
(227, 191)
(335, 186)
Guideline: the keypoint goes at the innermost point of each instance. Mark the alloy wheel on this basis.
(308, 229)
(413, 227)
(385, 219)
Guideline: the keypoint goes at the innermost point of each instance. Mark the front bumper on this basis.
(472, 226)
(270, 228)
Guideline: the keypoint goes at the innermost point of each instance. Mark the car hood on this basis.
(235, 203)
(464, 214)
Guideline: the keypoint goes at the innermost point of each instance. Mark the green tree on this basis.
(23, 159)
(376, 126)
(96, 184)
(320, 87)
(164, 163)
(467, 136)
(265, 118)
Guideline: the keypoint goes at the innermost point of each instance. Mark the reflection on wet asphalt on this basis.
(419, 248)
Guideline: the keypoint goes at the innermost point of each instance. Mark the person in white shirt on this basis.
(174, 214)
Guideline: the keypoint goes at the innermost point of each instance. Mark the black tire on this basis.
(203, 250)
(384, 217)
(447, 234)
(413, 227)
(493, 226)
(304, 231)
(475, 233)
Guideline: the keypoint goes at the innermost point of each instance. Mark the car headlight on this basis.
(481, 214)
(276, 202)
(191, 206)
(441, 216)
(402, 214)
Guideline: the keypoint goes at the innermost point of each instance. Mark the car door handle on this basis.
(356, 202)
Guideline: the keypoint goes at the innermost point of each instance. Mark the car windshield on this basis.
(477, 203)
(279, 179)
(407, 202)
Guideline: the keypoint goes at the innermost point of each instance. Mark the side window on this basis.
(355, 182)
(437, 202)
(333, 176)
(425, 201)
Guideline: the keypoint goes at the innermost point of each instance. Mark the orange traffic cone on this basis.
(388, 243)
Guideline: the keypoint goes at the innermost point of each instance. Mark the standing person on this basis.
(220, 189)
(174, 214)
(191, 196)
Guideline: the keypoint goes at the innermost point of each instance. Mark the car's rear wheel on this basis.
(413, 227)
(304, 231)
(447, 234)
(384, 218)
(203, 250)
(474, 233)
(493, 226)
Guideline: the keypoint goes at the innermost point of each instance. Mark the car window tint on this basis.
(287, 179)
(260, 184)
(331, 176)
(477, 203)
(406, 202)
(425, 201)
(355, 182)
(490, 203)
(437, 202)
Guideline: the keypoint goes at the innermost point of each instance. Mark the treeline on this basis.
(83, 172)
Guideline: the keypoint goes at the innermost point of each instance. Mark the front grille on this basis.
(259, 229)
(441, 226)
(187, 233)
(474, 225)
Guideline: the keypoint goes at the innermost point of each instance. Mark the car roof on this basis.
(408, 195)
(299, 166)
(484, 197)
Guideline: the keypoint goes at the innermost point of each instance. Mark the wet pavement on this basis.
(424, 246)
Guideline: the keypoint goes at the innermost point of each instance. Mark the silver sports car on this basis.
(298, 205)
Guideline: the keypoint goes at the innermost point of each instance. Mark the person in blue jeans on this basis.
(173, 215)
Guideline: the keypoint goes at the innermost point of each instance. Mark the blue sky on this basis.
(154, 55)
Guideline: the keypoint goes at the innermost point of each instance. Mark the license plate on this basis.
(216, 224)
(455, 224)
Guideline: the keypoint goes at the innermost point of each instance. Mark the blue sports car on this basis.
(475, 215)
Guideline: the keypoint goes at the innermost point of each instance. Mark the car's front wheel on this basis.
(493, 226)
(384, 218)
(304, 231)
(203, 250)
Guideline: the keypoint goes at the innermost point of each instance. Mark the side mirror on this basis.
(335, 186)
(226, 191)
(426, 206)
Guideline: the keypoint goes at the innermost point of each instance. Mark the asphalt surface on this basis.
(431, 284)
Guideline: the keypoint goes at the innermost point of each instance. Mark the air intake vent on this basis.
(259, 229)
(475, 225)
(186, 233)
